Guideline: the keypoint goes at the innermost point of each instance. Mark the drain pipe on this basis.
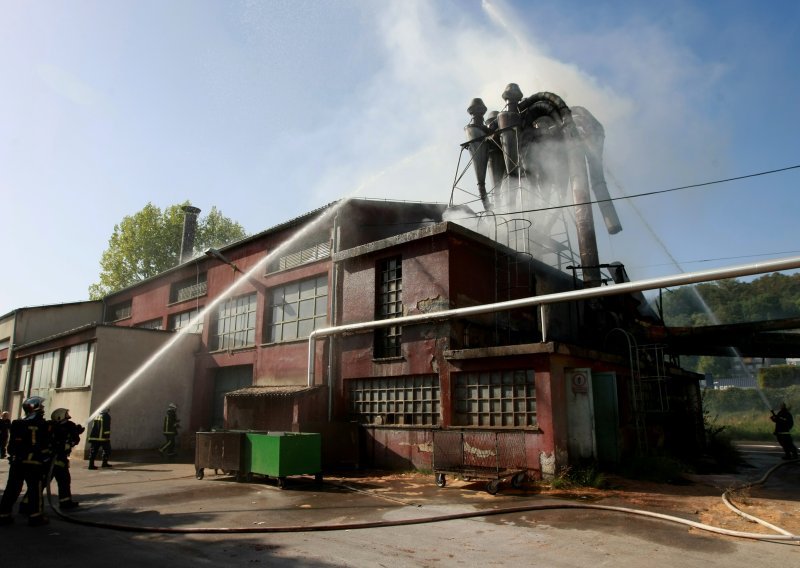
(573, 295)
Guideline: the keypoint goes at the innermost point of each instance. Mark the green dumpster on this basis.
(281, 454)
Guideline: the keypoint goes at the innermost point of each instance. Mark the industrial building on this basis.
(229, 335)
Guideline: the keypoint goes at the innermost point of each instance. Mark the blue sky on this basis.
(270, 109)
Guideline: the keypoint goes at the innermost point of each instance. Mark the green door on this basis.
(227, 379)
(606, 417)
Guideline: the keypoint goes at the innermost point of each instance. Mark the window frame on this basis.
(230, 315)
(388, 305)
(282, 303)
(87, 364)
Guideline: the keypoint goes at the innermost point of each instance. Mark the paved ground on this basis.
(157, 513)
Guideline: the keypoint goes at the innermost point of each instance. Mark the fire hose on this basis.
(784, 537)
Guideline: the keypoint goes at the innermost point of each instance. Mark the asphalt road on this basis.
(124, 511)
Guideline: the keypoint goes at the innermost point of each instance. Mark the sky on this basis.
(270, 109)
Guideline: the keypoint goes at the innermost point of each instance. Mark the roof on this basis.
(272, 391)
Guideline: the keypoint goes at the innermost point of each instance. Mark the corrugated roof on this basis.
(272, 391)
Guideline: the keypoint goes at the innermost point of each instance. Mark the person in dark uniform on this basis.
(100, 438)
(5, 426)
(171, 425)
(783, 424)
(30, 455)
(65, 435)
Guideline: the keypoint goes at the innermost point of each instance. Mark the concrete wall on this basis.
(137, 374)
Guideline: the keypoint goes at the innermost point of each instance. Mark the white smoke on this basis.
(438, 56)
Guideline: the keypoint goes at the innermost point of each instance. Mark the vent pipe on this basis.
(189, 230)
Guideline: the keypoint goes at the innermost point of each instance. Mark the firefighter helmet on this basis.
(33, 406)
(60, 415)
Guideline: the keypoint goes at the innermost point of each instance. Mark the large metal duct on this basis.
(593, 135)
(578, 180)
(477, 136)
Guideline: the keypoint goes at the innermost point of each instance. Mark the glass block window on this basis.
(317, 251)
(297, 309)
(411, 401)
(157, 323)
(183, 319)
(235, 325)
(389, 304)
(495, 398)
(119, 311)
(76, 370)
(189, 288)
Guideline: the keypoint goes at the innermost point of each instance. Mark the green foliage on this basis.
(779, 376)
(773, 296)
(743, 412)
(149, 242)
(586, 475)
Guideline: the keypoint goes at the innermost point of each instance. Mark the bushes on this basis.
(743, 413)
(743, 400)
(778, 376)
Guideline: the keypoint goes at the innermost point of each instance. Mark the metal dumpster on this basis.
(480, 454)
(220, 450)
(281, 454)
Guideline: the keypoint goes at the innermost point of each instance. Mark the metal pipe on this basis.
(573, 295)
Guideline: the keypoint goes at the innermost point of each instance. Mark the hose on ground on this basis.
(780, 538)
(726, 498)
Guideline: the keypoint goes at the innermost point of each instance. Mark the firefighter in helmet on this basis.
(171, 425)
(30, 456)
(66, 435)
(100, 438)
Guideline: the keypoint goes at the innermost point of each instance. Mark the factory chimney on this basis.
(189, 230)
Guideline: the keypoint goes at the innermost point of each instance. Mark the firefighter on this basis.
(30, 456)
(171, 425)
(66, 435)
(783, 424)
(100, 438)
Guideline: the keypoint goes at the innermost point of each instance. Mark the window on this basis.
(312, 253)
(297, 309)
(236, 323)
(24, 377)
(396, 400)
(78, 365)
(119, 311)
(496, 398)
(389, 304)
(157, 323)
(44, 374)
(183, 319)
(188, 289)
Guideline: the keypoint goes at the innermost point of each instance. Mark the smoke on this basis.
(437, 56)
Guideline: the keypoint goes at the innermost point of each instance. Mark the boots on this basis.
(105, 464)
(91, 465)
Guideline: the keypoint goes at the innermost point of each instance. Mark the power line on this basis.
(781, 253)
(658, 192)
(610, 199)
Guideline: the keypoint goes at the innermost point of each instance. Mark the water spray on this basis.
(331, 210)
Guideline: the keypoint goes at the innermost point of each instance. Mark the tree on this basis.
(149, 242)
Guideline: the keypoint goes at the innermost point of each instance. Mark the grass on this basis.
(747, 425)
